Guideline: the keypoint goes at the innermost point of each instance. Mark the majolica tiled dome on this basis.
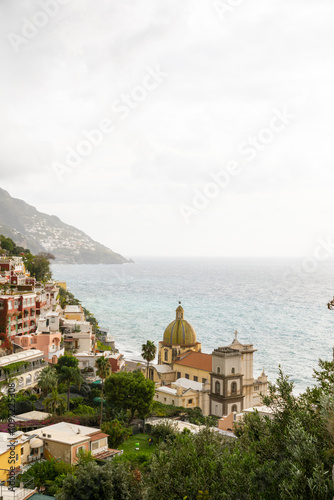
(179, 331)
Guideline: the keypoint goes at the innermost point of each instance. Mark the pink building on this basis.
(46, 339)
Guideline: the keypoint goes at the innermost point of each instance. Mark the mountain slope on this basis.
(41, 232)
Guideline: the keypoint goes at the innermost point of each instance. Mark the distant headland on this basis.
(47, 233)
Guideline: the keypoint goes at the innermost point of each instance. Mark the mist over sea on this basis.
(273, 303)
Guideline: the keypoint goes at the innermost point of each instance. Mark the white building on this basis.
(186, 393)
(25, 374)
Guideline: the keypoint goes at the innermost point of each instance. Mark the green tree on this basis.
(68, 373)
(117, 433)
(47, 379)
(112, 481)
(148, 353)
(49, 474)
(103, 370)
(55, 403)
(130, 391)
(39, 265)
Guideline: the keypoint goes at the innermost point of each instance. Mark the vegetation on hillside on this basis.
(38, 265)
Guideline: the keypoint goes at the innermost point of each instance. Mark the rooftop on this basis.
(31, 415)
(167, 390)
(188, 384)
(65, 432)
(73, 309)
(198, 360)
(26, 355)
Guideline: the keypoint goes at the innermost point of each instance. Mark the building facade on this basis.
(233, 386)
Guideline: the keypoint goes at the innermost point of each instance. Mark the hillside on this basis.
(42, 232)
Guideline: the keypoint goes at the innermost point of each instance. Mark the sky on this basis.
(168, 128)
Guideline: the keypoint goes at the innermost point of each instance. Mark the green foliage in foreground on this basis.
(288, 457)
(49, 474)
(113, 481)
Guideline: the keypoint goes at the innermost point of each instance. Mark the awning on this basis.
(36, 443)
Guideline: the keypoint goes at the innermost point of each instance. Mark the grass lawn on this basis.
(129, 446)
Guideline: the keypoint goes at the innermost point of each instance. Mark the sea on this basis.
(278, 305)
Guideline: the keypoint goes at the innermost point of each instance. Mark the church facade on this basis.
(233, 387)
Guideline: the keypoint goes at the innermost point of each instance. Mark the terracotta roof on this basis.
(197, 360)
(97, 436)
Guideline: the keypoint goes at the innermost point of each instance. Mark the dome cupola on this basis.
(180, 332)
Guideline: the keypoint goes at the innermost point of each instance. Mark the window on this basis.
(166, 355)
(234, 388)
(217, 387)
(22, 451)
(17, 457)
(53, 319)
(195, 379)
(178, 375)
(187, 375)
(190, 401)
(103, 442)
(173, 401)
(95, 445)
(218, 369)
(203, 380)
(165, 399)
(234, 408)
(256, 387)
(233, 370)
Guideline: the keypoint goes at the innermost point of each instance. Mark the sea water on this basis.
(277, 305)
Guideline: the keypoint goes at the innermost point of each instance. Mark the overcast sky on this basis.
(216, 118)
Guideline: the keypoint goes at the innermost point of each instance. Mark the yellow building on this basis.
(10, 456)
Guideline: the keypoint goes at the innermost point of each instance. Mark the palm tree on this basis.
(148, 353)
(47, 379)
(69, 375)
(55, 402)
(103, 370)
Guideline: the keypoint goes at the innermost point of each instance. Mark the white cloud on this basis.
(225, 77)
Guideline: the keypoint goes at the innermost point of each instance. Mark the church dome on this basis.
(179, 331)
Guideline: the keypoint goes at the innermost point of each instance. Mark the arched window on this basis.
(234, 388)
(233, 370)
(166, 355)
(217, 387)
(218, 369)
(234, 408)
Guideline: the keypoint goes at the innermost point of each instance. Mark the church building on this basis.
(226, 375)
(233, 387)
